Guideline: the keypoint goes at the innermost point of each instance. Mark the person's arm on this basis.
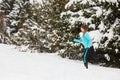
(78, 40)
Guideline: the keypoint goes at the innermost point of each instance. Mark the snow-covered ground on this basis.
(15, 65)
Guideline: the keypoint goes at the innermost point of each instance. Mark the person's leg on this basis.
(93, 54)
(96, 56)
(85, 58)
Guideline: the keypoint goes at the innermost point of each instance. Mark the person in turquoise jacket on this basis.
(88, 45)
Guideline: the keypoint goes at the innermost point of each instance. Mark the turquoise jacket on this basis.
(85, 40)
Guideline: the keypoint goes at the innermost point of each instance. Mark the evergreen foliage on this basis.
(51, 27)
(103, 17)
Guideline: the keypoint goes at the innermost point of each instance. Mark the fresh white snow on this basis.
(38, 1)
(91, 2)
(15, 65)
(0, 1)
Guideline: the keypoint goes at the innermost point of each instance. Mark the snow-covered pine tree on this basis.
(43, 30)
(103, 17)
(4, 38)
(16, 11)
(48, 17)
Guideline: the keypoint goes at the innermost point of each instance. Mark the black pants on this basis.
(90, 52)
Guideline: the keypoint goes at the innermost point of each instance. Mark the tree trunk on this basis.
(2, 22)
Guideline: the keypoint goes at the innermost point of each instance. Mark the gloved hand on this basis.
(74, 40)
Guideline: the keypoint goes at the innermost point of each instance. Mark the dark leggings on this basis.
(90, 51)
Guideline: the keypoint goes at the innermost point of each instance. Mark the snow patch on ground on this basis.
(15, 65)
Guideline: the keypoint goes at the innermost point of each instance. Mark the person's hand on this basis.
(72, 39)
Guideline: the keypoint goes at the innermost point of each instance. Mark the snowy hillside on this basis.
(15, 65)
